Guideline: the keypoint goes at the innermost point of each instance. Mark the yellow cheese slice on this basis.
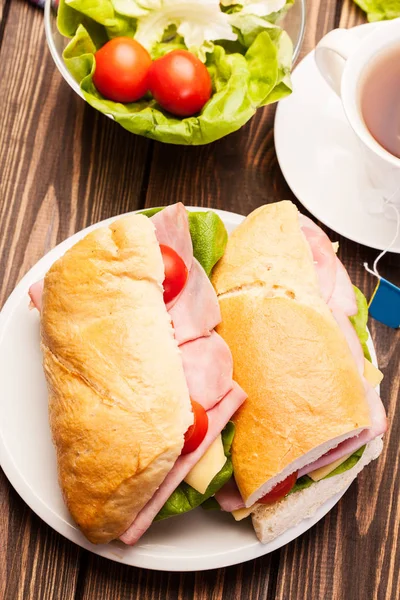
(373, 375)
(242, 513)
(324, 471)
(208, 466)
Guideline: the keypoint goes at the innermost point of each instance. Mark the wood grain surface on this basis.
(64, 166)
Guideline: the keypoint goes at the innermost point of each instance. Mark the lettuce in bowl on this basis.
(250, 67)
(380, 10)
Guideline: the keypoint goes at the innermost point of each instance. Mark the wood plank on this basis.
(254, 580)
(35, 562)
(3, 5)
(63, 166)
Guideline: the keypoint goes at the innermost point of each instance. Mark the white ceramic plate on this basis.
(321, 160)
(196, 541)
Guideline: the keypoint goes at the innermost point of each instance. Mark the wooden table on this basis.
(64, 166)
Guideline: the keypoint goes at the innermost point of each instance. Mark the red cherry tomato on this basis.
(196, 432)
(122, 68)
(180, 83)
(280, 490)
(176, 273)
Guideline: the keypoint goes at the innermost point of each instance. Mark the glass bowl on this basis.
(294, 23)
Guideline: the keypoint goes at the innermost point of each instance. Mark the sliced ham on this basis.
(335, 283)
(343, 294)
(323, 254)
(208, 367)
(379, 426)
(196, 312)
(218, 417)
(35, 294)
(172, 229)
(228, 497)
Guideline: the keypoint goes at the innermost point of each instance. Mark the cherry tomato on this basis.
(122, 68)
(196, 432)
(280, 490)
(180, 83)
(176, 273)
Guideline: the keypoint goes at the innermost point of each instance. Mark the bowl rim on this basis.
(74, 84)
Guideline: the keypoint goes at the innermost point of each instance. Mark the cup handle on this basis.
(332, 53)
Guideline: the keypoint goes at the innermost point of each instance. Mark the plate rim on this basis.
(113, 551)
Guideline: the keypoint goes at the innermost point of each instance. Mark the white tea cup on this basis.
(343, 57)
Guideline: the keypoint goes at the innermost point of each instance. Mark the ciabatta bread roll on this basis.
(118, 399)
(305, 394)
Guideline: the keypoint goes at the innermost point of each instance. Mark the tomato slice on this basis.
(280, 490)
(196, 432)
(176, 273)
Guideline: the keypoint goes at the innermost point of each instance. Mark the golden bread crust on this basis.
(118, 400)
(302, 387)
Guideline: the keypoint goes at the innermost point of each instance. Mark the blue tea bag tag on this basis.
(384, 305)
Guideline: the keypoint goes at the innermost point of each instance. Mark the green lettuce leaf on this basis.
(301, 484)
(149, 212)
(99, 18)
(380, 10)
(360, 320)
(209, 238)
(186, 498)
(211, 504)
(245, 74)
(198, 22)
(208, 233)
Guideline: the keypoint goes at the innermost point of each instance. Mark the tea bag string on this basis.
(374, 270)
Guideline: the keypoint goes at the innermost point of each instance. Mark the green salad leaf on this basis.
(197, 22)
(247, 73)
(380, 10)
(209, 238)
(301, 484)
(210, 504)
(186, 498)
(360, 320)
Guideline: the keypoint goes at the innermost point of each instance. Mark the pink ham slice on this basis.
(335, 283)
(218, 417)
(323, 255)
(379, 426)
(208, 367)
(35, 294)
(343, 294)
(228, 497)
(196, 312)
(172, 229)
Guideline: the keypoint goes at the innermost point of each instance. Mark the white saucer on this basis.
(321, 160)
